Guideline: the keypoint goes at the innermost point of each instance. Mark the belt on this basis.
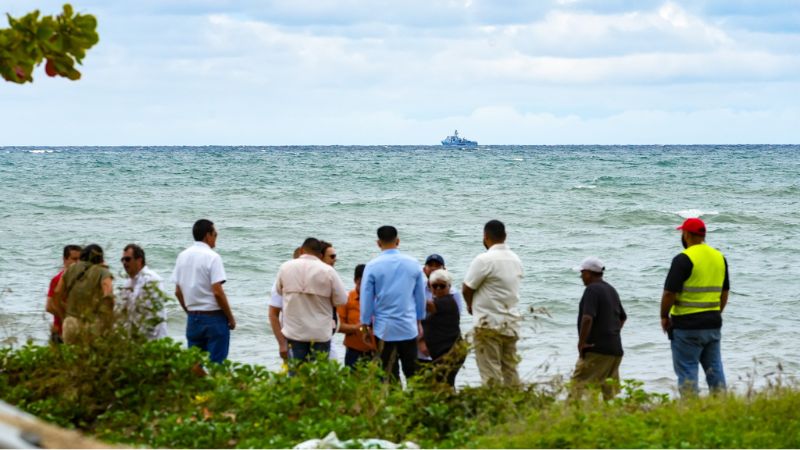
(216, 312)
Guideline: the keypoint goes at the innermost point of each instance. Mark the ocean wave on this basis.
(688, 213)
(41, 151)
(585, 186)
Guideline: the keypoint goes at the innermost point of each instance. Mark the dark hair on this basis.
(138, 252)
(312, 245)
(92, 253)
(296, 252)
(495, 230)
(201, 228)
(359, 271)
(69, 249)
(324, 246)
(387, 233)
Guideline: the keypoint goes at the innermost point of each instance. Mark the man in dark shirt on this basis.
(695, 294)
(600, 320)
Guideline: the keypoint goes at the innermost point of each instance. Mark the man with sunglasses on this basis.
(143, 295)
(198, 277)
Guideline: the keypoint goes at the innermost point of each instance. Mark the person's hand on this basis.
(232, 323)
(283, 350)
(423, 347)
(582, 349)
(665, 324)
(469, 309)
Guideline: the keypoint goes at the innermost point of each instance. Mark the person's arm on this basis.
(723, 301)
(179, 295)
(344, 327)
(430, 307)
(58, 300)
(419, 296)
(667, 300)
(367, 297)
(586, 329)
(467, 292)
(222, 301)
(726, 287)
(275, 323)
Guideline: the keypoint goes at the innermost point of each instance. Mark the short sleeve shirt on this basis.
(495, 276)
(601, 302)
(196, 270)
(679, 272)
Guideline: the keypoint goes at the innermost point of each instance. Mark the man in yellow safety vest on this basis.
(695, 294)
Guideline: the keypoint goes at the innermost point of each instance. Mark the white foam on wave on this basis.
(517, 159)
(38, 152)
(585, 186)
(687, 213)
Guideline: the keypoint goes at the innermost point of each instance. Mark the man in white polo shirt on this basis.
(491, 291)
(198, 278)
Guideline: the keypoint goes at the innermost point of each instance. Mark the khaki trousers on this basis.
(77, 331)
(496, 356)
(597, 370)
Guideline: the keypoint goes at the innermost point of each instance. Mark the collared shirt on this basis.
(310, 290)
(196, 270)
(495, 276)
(137, 298)
(393, 296)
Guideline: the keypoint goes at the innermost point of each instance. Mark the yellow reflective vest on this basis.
(701, 291)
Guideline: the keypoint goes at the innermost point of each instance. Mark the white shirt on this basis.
(197, 268)
(310, 290)
(276, 300)
(138, 294)
(495, 276)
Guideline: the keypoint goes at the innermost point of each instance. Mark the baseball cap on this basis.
(593, 264)
(434, 258)
(693, 225)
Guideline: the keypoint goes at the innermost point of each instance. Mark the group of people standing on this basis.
(400, 314)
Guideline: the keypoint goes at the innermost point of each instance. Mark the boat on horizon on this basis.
(457, 141)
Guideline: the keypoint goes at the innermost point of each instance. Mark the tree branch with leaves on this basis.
(61, 41)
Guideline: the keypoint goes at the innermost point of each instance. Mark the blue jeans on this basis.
(690, 347)
(210, 333)
(304, 351)
(353, 357)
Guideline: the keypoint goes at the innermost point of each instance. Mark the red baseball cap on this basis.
(693, 225)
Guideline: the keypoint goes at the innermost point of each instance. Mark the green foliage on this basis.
(641, 420)
(61, 40)
(122, 388)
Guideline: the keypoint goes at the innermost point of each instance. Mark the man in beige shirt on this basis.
(491, 290)
(311, 290)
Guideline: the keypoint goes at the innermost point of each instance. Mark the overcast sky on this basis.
(258, 72)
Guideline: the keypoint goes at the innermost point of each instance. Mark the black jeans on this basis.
(395, 353)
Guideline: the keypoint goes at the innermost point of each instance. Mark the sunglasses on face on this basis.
(438, 286)
(126, 259)
(332, 256)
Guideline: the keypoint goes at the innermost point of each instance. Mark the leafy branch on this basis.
(61, 41)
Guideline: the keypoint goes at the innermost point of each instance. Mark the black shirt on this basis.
(601, 301)
(679, 272)
(441, 330)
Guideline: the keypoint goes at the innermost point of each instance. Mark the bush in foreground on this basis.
(150, 393)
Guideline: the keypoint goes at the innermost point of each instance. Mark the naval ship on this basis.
(457, 141)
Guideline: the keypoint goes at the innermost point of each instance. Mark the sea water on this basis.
(559, 204)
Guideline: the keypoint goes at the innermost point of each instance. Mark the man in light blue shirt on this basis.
(393, 303)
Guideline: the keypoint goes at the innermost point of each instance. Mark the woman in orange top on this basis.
(349, 324)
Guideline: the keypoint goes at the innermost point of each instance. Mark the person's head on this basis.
(312, 246)
(297, 252)
(433, 262)
(358, 276)
(71, 255)
(494, 232)
(693, 232)
(591, 269)
(92, 254)
(328, 253)
(204, 231)
(440, 281)
(133, 259)
(387, 237)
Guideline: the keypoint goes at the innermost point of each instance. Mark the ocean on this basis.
(559, 203)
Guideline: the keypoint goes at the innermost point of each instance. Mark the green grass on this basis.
(131, 392)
